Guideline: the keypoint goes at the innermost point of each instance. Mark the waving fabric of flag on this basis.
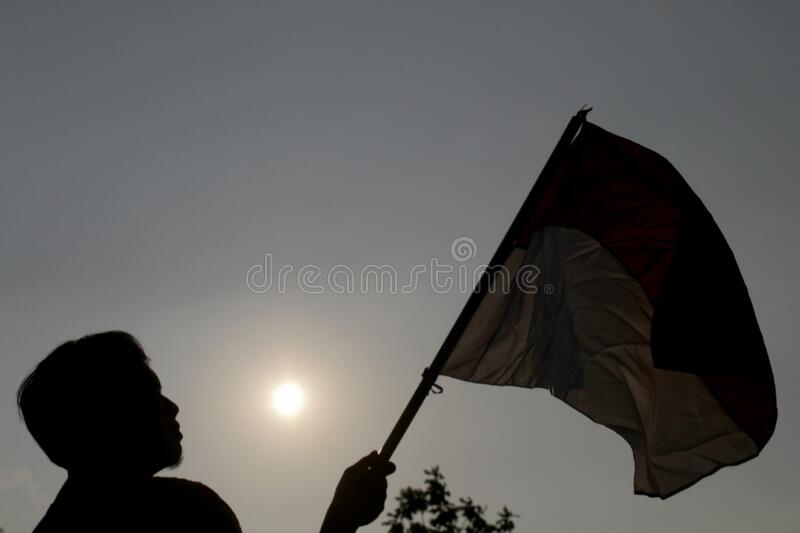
(622, 297)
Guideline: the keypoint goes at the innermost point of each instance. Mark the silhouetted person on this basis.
(96, 409)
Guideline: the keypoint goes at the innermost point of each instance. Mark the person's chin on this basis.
(175, 464)
(176, 458)
(172, 457)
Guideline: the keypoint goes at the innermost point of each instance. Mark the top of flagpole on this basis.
(582, 112)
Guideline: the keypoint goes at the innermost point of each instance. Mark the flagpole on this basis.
(506, 245)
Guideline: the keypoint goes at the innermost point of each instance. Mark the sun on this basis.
(288, 399)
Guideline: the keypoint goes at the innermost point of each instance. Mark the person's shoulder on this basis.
(185, 487)
(200, 501)
(160, 505)
(180, 485)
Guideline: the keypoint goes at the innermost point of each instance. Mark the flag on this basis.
(621, 296)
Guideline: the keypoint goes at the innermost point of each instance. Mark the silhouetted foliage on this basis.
(430, 510)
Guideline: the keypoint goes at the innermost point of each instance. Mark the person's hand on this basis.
(359, 496)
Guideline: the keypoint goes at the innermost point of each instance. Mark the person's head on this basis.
(94, 402)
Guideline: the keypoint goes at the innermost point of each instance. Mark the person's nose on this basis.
(171, 407)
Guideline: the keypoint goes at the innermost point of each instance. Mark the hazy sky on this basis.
(152, 152)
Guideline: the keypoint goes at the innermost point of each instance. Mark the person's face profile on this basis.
(140, 422)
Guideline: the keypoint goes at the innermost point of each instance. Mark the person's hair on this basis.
(61, 390)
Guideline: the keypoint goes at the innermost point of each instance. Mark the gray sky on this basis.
(152, 152)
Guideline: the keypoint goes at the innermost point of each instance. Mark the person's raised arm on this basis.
(359, 496)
